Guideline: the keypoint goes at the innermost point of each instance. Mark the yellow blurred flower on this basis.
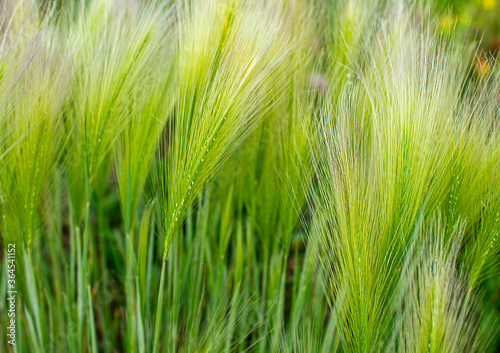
(483, 66)
(447, 21)
(489, 4)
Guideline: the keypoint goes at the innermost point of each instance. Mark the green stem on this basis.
(129, 282)
(130, 292)
(159, 305)
(85, 265)
(86, 282)
(80, 291)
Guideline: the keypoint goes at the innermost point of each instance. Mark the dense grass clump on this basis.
(247, 176)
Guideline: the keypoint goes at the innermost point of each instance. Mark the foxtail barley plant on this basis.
(247, 176)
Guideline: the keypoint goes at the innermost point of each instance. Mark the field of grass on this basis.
(253, 176)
